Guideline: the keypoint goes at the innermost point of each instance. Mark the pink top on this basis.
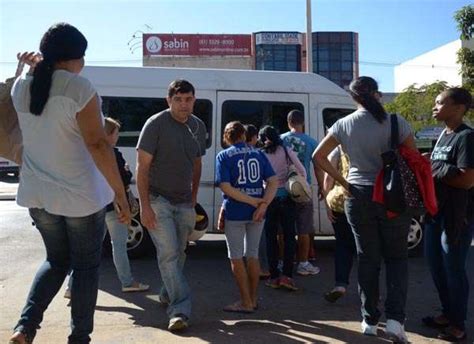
(280, 165)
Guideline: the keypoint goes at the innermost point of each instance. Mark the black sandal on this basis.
(431, 322)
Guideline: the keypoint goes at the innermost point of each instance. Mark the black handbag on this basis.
(400, 187)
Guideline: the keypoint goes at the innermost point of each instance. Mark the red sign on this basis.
(196, 45)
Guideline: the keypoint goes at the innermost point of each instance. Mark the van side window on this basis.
(133, 112)
(258, 113)
(332, 115)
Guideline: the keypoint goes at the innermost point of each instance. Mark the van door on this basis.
(254, 108)
(328, 114)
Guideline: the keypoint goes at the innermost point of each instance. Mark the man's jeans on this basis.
(447, 262)
(118, 237)
(378, 237)
(174, 224)
(71, 243)
(345, 249)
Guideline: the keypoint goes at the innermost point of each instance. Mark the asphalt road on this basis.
(283, 317)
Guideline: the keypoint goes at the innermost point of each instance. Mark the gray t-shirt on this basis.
(364, 139)
(174, 147)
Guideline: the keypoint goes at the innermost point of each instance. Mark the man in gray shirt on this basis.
(170, 148)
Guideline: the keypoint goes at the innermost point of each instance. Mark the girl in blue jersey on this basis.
(241, 171)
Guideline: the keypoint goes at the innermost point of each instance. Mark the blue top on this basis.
(304, 146)
(244, 168)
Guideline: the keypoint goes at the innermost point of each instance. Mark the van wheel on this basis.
(415, 237)
(139, 243)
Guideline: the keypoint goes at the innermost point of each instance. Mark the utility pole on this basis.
(309, 39)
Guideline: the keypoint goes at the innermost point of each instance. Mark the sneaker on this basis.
(305, 269)
(67, 294)
(136, 287)
(273, 283)
(178, 323)
(367, 329)
(335, 294)
(396, 331)
(288, 283)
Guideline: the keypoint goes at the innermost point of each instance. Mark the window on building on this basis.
(134, 112)
(258, 113)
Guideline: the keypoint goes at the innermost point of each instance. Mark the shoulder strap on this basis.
(394, 131)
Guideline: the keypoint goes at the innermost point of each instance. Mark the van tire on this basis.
(139, 243)
(416, 237)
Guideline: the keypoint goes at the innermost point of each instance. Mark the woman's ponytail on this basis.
(40, 86)
(363, 90)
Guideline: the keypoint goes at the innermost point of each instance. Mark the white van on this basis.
(132, 94)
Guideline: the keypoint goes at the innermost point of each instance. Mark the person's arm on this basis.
(329, 182)
(320, 159)
(238, 195)
(90, 125)
(463, 180)
(270, 192)
(294, 159)
(197, 169)
(147, 215)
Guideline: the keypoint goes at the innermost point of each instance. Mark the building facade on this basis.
(335, 54)
(439, 64)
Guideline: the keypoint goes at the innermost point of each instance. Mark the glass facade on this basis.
(335, 56)
(279, 51)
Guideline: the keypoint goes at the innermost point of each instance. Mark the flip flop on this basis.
(237, 308)
(431, 322)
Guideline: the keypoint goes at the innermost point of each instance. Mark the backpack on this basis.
(296, 185)
(11, 140)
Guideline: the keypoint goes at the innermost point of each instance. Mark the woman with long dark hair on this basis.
(281, 212)
(68, 176)
(364, 135)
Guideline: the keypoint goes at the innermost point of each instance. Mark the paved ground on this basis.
(283, 317)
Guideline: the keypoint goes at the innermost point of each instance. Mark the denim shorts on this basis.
(243, 238)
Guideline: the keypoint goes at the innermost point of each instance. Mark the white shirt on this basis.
(58, 173)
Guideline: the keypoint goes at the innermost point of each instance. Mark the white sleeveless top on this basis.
(58, 173)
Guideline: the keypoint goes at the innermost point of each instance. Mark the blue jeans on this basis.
(281, 211)
(447, 262)
(71, 243)
(345, 249)
(378, 237)
(118, 237)
(174, 224)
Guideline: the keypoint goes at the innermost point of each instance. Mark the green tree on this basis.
(415, 103)
(465, 24)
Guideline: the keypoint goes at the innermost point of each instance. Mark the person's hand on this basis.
(148, 217)
(330, 214)
(256, 201)
(259, 213)
(122, 208)
(321, 195)
(29, 58)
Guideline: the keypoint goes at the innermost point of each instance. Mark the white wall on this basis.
(436, 65)
(220, 62)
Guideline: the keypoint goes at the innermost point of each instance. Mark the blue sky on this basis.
(390, 31)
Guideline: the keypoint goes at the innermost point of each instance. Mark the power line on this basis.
(370, 63)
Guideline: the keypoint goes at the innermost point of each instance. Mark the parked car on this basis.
(8, 167)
